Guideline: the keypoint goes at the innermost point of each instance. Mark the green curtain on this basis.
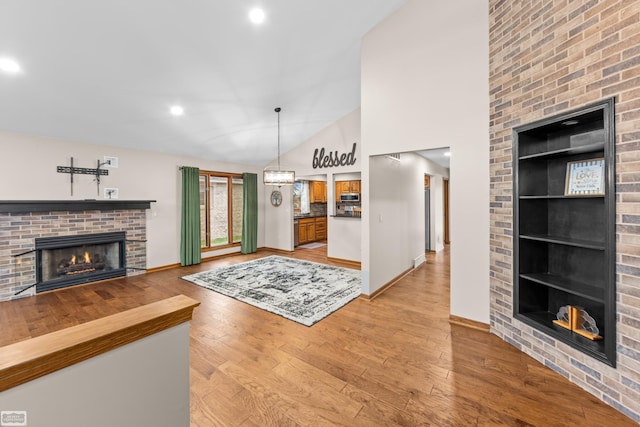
(190, 230)
(250, 213)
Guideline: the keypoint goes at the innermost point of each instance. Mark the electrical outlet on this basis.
(110, 162)
(110, 193)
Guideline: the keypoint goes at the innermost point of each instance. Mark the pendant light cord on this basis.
(277, 110)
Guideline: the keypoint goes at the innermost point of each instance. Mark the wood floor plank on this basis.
(392, 361)
(440, 411)
(374, 410)
(211, 407)
(293, 399)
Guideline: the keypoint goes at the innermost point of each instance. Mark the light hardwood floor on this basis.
(393, 361)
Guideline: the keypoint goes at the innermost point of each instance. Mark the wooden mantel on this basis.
(36, 357)
(17, 206)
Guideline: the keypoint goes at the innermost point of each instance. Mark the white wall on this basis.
(339, 136)
(145, 383)
(28, 172)
(278, 233)
(425, 85)
(396, 203)
(397, 225)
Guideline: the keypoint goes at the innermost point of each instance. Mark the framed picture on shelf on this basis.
(585, 178)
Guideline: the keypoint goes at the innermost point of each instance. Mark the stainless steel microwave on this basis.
(350, 197)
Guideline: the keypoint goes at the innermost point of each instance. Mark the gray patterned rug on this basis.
(302, 291)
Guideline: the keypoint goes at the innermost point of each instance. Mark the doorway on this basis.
(445, 190)
(427, 213)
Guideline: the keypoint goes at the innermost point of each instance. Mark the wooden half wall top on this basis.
(33, 358)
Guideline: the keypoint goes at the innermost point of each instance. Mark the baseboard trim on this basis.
(203, 260)
(468, 323)
(163, 267)
(387, 285)
(355, 264)
(280, 251)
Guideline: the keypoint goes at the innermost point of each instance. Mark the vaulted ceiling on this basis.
(107, 72)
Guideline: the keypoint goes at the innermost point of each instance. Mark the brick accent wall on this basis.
(19, 231)
(547, 57)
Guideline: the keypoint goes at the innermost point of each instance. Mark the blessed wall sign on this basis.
(322, 159)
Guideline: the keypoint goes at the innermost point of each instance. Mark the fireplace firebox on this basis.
(71, 260)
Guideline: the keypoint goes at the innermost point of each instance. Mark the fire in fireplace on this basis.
(70, 260)
(80, 264)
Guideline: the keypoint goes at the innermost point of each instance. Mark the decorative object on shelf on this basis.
(84, 171)
(577, 320)
(276, 198)
(585, 178)
(278, 177)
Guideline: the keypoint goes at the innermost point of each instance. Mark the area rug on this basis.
(313, 245)
(303, 291)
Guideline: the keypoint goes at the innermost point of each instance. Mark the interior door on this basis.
(427, 214)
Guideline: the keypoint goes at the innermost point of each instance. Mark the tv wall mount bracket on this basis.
(97, 172)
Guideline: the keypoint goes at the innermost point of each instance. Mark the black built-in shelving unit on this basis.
(564, 246)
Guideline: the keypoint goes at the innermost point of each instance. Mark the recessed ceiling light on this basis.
(8, 65)
(447, 154)
(177, 110)
(256, 15)
(570, 122)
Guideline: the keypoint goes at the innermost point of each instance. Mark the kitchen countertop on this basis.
(308, 216)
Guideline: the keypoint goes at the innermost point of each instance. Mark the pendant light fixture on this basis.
(278, 177)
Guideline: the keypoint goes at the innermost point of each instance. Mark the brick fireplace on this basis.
(22, 223)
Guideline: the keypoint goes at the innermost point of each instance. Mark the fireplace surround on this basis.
(24, 221)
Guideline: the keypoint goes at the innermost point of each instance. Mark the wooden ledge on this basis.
(33, 358)
(25, 206)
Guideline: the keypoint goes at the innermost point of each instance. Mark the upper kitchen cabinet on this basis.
(347, 187)
(317, 191)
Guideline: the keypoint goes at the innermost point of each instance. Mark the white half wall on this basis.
(28, 172)
(144, 383)
(344, 234)
(425, 85)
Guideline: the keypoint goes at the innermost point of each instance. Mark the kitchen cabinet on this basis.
(321, 228)
(317, 191)
(347, 187)
(564, 232)
(312, 229)
(307, 230)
